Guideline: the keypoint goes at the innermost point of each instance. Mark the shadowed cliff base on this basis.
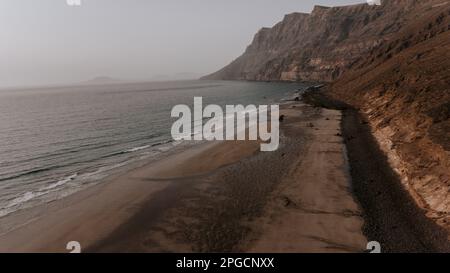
(403, 90)
(391, 215)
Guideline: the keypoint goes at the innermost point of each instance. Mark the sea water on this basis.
(55, 141)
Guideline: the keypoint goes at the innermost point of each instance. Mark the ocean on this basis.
(56, 141)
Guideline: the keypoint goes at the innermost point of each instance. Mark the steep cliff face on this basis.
(318, 46)
(403, 87)
(390, 61)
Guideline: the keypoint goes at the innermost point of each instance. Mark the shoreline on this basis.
(230, 202)
(42, 228)
(301, 203)
(329, 188)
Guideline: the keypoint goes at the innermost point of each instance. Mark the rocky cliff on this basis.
(403, 87)
(319, 46)
(392, 62)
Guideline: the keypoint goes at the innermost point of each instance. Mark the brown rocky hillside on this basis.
(404, 88)
(320, 46)
(392, 62)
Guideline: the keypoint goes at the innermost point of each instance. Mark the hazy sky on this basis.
(48, 41)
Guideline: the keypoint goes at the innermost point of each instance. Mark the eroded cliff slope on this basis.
(319, 46)
(403, 87)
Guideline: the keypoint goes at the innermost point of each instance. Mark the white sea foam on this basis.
(19, 201)
(60, 182)
(59, 187)
(135, 149)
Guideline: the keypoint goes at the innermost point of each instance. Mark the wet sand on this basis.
(216, 197)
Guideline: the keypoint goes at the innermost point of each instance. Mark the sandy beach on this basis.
(215, 197)
(105, 129)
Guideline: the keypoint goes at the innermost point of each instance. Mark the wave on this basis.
(77, 149)
(27, 196)
(139, 148)
(60, 187)
(18, 202)
(49, 168)
(35, 171)
(162, 142)
(135, 149)
(61, 182)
